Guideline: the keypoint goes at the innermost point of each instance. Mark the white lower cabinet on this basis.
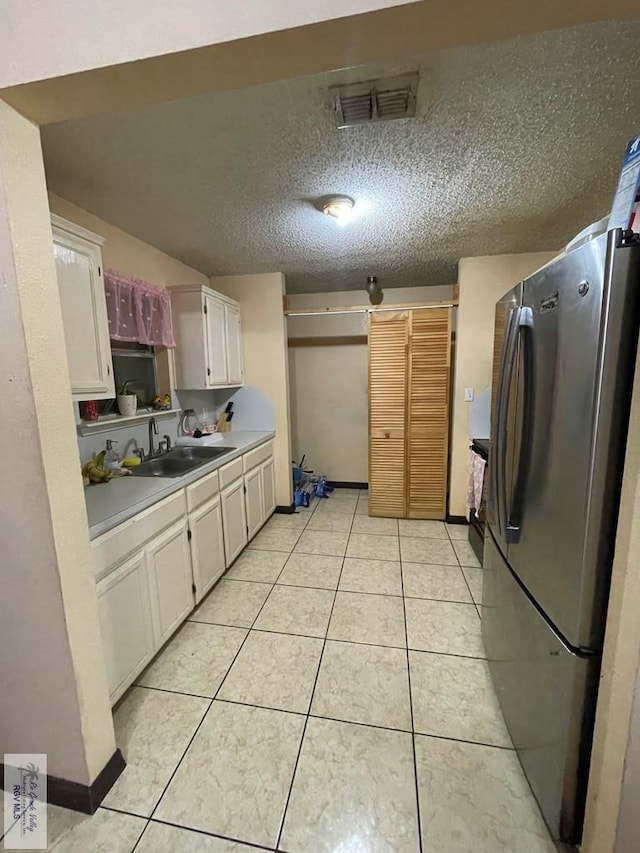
(234, 520)
(149, 567)
(207, 546)
(254, 501)
(170, 580)
(268, 474)
(125, 623)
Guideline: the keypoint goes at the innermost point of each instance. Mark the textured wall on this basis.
(482, 282)
(264, 341)
(54, 695)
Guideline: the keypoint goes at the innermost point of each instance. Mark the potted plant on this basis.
(127, 403)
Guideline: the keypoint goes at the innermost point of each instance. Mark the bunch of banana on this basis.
(94, 469)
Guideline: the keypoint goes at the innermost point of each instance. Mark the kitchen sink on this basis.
(178, 461)
(197, 452)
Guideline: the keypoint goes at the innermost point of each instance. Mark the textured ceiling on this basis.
(516, 146)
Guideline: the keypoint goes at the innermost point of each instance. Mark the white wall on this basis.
(329, 383)
(620, 674)
(628, 829)
(123, 252)
(54, 696)
(482, 282)
(39, 40)
(265, 356)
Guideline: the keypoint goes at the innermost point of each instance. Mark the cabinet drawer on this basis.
(116, 544)
(257, 455)
(202, 490)
(229, 473)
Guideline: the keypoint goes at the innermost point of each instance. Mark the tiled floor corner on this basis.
(153, 729)
(330, 693)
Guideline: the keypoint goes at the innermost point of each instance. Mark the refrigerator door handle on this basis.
(498, 470)
(514, 513)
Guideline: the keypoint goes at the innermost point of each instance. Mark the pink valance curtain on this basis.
(138, 311)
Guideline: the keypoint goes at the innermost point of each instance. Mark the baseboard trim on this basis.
(84, 798)
(345, 484)
(457, 519)
(285, 510)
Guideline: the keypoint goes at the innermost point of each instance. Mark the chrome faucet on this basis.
(164, 446)
(153, 430)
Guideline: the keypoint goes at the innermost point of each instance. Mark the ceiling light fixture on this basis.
(340, 207)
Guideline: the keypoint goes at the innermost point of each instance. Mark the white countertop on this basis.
(109, 504)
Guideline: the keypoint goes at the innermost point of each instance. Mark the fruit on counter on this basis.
(94, 469)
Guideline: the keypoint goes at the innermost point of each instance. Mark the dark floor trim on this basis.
(457, 519)
(84, 798)
(285, 510)
(345, 484)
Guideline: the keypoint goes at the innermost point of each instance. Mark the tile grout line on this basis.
(197, 729)
(462, 568)
(313, 690)
(250, 844)
(470, 593)
(334, 640)
(219, 688)
(182, 828)
(308, 715)
(413, 725)
(208, 708)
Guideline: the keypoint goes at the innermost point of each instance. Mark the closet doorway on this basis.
(409, 402)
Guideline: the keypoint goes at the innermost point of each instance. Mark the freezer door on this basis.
(577, 338)
(546, 693)
(503, 410)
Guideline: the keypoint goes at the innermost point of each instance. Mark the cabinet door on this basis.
(254, 501)
(170, 580)
(216, 341)
(234, 520)
(207, 546)
(125, 623)
(235, 372)
(84, 316)
(268, 486)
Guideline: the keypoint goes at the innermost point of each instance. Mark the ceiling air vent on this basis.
(375, 100)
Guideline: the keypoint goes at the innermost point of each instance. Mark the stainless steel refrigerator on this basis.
(564, 358)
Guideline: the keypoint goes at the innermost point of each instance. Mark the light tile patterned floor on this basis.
(330, 693)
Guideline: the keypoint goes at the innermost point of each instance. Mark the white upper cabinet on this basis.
(208, 334)
(215, 349)
(84, 312)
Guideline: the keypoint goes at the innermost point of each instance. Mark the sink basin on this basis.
(179, 461)
(197, 452)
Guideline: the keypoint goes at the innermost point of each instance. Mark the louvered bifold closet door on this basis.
(388, 338)
(428, 413)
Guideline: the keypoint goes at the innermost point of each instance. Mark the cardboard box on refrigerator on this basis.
(625, 211)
